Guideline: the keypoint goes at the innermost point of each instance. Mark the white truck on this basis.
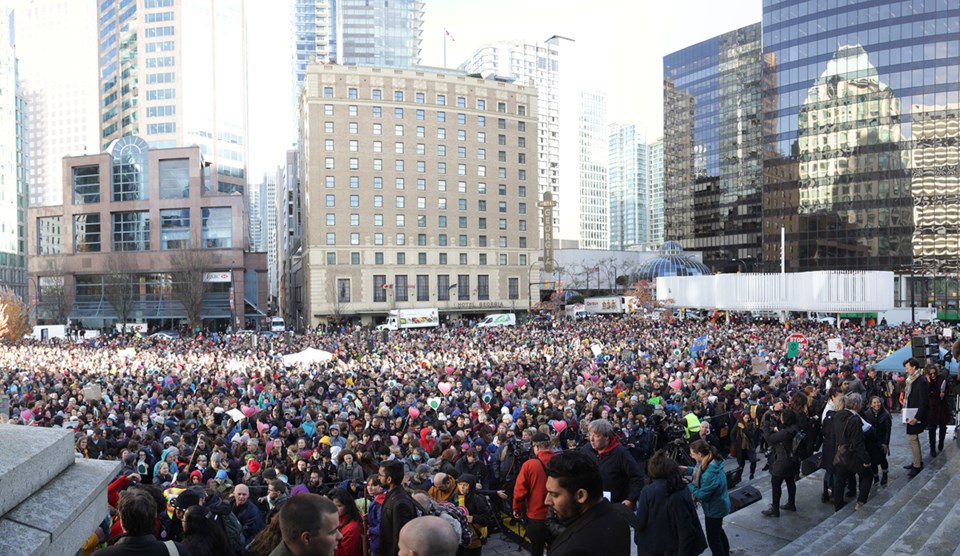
(411, 318)
(902, 315)
(610, 305)
(497, 320)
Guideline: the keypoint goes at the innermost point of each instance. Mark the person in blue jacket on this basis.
(708, 485)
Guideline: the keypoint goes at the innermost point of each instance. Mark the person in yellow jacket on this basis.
(691, 427)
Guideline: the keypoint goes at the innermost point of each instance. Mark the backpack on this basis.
(452, 514)
(233, 530)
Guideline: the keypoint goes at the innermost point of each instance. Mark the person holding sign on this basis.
(916, 398)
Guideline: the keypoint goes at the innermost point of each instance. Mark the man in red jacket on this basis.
(530, 492)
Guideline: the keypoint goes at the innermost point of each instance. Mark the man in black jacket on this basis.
(621, 474)
(593, 525)
(916, 397)
(398, 507)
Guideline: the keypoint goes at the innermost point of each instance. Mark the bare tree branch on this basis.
(189, 288)
(118, 288)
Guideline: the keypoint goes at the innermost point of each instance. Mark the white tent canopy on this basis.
(306, 357)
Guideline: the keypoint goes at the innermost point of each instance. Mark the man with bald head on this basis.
(247, 512)
(428, 536)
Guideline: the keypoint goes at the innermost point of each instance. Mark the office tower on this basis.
(629, 195)
(418, 191)
(175, 74)
(589, 218)
(712, 160)
(356, 33)
(541, 64)
(13, 184)
(142, 239)
(289, 252)
(861, 163)
(655, 192)
(60, 87)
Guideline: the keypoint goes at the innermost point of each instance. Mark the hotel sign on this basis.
(547, 205)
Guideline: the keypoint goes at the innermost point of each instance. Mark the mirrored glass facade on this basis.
(861, 134)
(712, 161)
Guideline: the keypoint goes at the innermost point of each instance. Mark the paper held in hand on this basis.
(909, 413)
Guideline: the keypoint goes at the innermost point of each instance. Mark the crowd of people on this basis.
(561, 424)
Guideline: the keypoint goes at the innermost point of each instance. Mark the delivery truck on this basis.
(411, 318)
(610, 305)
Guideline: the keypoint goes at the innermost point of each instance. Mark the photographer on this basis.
(530, 492)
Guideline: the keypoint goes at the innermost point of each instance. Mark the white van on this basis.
(276, 324)
(502, 319)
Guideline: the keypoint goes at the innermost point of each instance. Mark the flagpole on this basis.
(445, 48)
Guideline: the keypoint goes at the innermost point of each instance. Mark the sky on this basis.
(621, 41)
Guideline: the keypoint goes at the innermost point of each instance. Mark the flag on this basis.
(451, 287)
(449, 35)
(793, 350)
(386, 286)
(699, 344)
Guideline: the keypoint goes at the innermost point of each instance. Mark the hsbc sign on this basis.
(216, 276)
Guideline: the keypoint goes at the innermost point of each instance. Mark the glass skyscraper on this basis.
(175, 73)
(861, 138)
(712, 160)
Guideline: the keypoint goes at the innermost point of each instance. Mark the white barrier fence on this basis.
(823, 291)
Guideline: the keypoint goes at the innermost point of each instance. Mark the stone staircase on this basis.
(50, 502)
(909, 516)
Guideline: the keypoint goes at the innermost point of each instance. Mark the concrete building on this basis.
(418, 190)
(60, 87)
(541, 65)
(143, 238)
(175, 73)
(289, 253)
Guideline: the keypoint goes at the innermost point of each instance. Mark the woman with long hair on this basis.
(878, 438)
(351, 524)
(201, 534)
(709, 486)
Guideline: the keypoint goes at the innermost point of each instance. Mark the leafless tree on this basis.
(119, 288)
(189, 288)
(52, 301)
(14, 317)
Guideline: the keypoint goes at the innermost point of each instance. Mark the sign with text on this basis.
(547, 205)
(835, 348)
(216, 277)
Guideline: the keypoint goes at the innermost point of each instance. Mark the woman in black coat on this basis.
(779, 431)
(667, 514)
(745, 443)
(878, 438)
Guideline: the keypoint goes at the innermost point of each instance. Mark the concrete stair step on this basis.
(935, 530)
(893, 520)
(30, 458)
(58, 518)
(843, 532)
